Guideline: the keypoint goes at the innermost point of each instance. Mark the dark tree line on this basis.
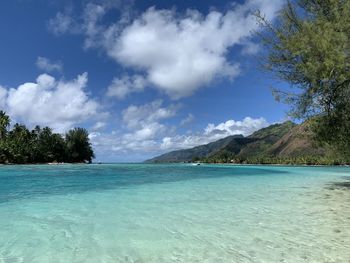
(227, 157)
(20, 145)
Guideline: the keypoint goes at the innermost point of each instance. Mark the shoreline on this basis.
(41, 163)
(194, 164)
(262, 164)
(280, 164)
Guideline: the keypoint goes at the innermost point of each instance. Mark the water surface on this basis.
(174, 213)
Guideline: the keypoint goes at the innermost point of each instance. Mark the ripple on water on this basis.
(216, 215)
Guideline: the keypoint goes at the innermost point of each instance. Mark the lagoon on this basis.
(174, 213)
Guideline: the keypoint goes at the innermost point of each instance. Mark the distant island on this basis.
(40, 145)
(283, 143)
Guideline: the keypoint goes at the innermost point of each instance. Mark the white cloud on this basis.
(136, 116)
(3, 95)
(250, 48)
(187, 120)
(92, 15)
(115, 146)
(121, 87)
(142, 131)
(144, 122)
(62, 23)
(214, 132)
(181, 53)
(98, 126)
(245, 127)
(57, 103)
(178, 53)
(147, 136)
(46, 65)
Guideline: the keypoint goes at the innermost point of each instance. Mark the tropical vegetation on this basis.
(41, 145)
(309, 47)
(284, 143)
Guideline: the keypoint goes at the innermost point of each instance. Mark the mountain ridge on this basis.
(282, 141)
(200, 151)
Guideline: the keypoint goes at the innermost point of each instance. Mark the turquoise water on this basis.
(174, 213)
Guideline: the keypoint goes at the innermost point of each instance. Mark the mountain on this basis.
(279, 140)
(263, 139)
(198, 152)
(297, 142)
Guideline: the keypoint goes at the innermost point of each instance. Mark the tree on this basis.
(309, 47)
(50, 146)
(78, 146)
(20, 144)
(4, 124)
(41, 145)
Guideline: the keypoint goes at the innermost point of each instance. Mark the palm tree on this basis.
(20, 144)
(78, 146)
(52, 146)
(4, 123)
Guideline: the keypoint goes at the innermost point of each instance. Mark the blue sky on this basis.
(144, 77)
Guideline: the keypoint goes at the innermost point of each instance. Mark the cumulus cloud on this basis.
(245, 127)
(59, 104)
(148, 136)
(135, 116)
(121, 148)
(181, 53)
(143, 128)
(46, 65)
(144, 122)
(121, 87)
(178, 53)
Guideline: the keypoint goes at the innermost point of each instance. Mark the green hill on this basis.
(297, 142)
(279, 143)
(198, 152)
(264, 139)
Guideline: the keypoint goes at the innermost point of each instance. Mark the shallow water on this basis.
(174, 213)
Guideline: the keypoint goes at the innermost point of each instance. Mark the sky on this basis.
(143, 77)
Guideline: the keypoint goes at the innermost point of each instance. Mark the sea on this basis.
(174, 213)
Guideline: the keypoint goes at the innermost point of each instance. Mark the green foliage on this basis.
(201, 151)
(195, 159)
(300, 160)
(4, 123)
(19, 144)
(309, 47)
(50, 146)
(284, 143)
(41, 145)
(78, 145)
(274, 130)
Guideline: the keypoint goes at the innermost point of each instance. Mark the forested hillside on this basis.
(285, 143)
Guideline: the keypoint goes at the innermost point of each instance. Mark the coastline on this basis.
(256, 164)
(281, 164)
(194, 164)
(10, 164)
